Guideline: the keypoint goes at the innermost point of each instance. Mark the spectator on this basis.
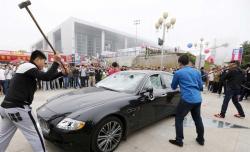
(76, 74)
(114, 68)
(8, 73)
(91, 76)
(83, 75)
(222, 83)
(216, 81)
(66, 80)
(210, 80)
(71, 78)
(2, 79)
(203, 75)
(246, 86)
(46, 84)
(98, 74)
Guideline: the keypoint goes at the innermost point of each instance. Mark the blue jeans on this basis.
(65, 82)
(234, 95)
(182, 110)
(76, 82)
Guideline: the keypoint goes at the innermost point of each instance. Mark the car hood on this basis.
(86, 98)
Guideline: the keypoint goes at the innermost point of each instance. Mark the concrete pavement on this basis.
(218, 134)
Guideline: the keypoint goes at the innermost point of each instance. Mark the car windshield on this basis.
(122, 82)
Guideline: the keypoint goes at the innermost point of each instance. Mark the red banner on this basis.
(65, 58)
(9, 58)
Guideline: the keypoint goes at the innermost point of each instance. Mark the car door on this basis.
(145, 106)
(146, 115)
(160, 104)
(173, 96)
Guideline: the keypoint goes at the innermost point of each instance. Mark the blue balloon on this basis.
(189, 45)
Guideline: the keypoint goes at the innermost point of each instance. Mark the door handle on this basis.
(164, 94)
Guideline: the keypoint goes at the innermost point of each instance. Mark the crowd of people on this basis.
(6, 73)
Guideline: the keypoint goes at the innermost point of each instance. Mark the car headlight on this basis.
(70, 124)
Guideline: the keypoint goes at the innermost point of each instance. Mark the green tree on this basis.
(246, 53)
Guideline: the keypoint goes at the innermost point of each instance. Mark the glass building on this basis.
(76, 36)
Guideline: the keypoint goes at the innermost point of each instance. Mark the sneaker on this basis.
(239, 116)
(219, 116)
(174, 142)
(200, 142)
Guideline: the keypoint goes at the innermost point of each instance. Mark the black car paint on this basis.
(94, 104)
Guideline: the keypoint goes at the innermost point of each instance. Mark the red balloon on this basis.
(207, 51)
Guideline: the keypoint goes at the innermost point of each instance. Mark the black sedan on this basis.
(98, 118)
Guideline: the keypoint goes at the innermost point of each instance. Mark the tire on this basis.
(112, 128)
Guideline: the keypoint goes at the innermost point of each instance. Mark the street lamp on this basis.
(136, 23)
(163, 24)
(201, 47)
(201, 44)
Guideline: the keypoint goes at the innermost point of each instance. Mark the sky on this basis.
(220, 21)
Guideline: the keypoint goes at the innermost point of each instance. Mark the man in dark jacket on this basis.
(76, 75)
(15, 110)
(234, 79)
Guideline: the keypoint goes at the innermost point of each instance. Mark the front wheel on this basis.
(108, 135)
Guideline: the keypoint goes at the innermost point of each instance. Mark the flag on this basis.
(237, 54)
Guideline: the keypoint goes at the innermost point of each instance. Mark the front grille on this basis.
(44, 126)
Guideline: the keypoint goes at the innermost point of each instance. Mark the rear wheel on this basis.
(108, 135)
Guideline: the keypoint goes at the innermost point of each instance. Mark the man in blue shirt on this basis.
(190, 82)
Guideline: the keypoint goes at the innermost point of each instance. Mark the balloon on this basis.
(189, 45)
(207, 51)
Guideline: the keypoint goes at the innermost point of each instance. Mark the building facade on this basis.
(83, 38)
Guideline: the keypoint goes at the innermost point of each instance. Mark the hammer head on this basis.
(24, 4)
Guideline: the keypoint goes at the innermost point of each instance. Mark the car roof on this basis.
(148, 72)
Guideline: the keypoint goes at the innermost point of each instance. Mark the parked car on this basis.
(98, 118)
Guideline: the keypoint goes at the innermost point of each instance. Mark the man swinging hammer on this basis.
(15, 109)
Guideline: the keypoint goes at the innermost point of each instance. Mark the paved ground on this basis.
(218, 134)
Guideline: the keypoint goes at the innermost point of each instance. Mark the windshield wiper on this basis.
(108, 88)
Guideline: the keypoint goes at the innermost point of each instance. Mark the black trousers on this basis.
(210, 85)
(220, 87)
(83, 81)
(182, 110)
(215, 87)
(234, 95)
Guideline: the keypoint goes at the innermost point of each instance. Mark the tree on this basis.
(246, 53)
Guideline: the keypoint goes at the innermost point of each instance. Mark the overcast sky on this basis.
(223, 20)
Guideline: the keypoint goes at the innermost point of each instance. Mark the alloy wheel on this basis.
(109, 136)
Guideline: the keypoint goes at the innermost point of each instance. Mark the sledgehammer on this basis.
(25, 5)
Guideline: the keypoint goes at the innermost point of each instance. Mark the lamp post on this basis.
(163, 24)
(136, 23)
(201, 49)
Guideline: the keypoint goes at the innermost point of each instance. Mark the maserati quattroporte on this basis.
(97, 119)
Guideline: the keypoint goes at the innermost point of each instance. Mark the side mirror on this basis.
(148, 92)
(150, 89)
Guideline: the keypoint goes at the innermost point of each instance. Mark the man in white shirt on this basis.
(45, 84)
(83, 75)
(211, 81)
(8, 75)
(2, 80)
